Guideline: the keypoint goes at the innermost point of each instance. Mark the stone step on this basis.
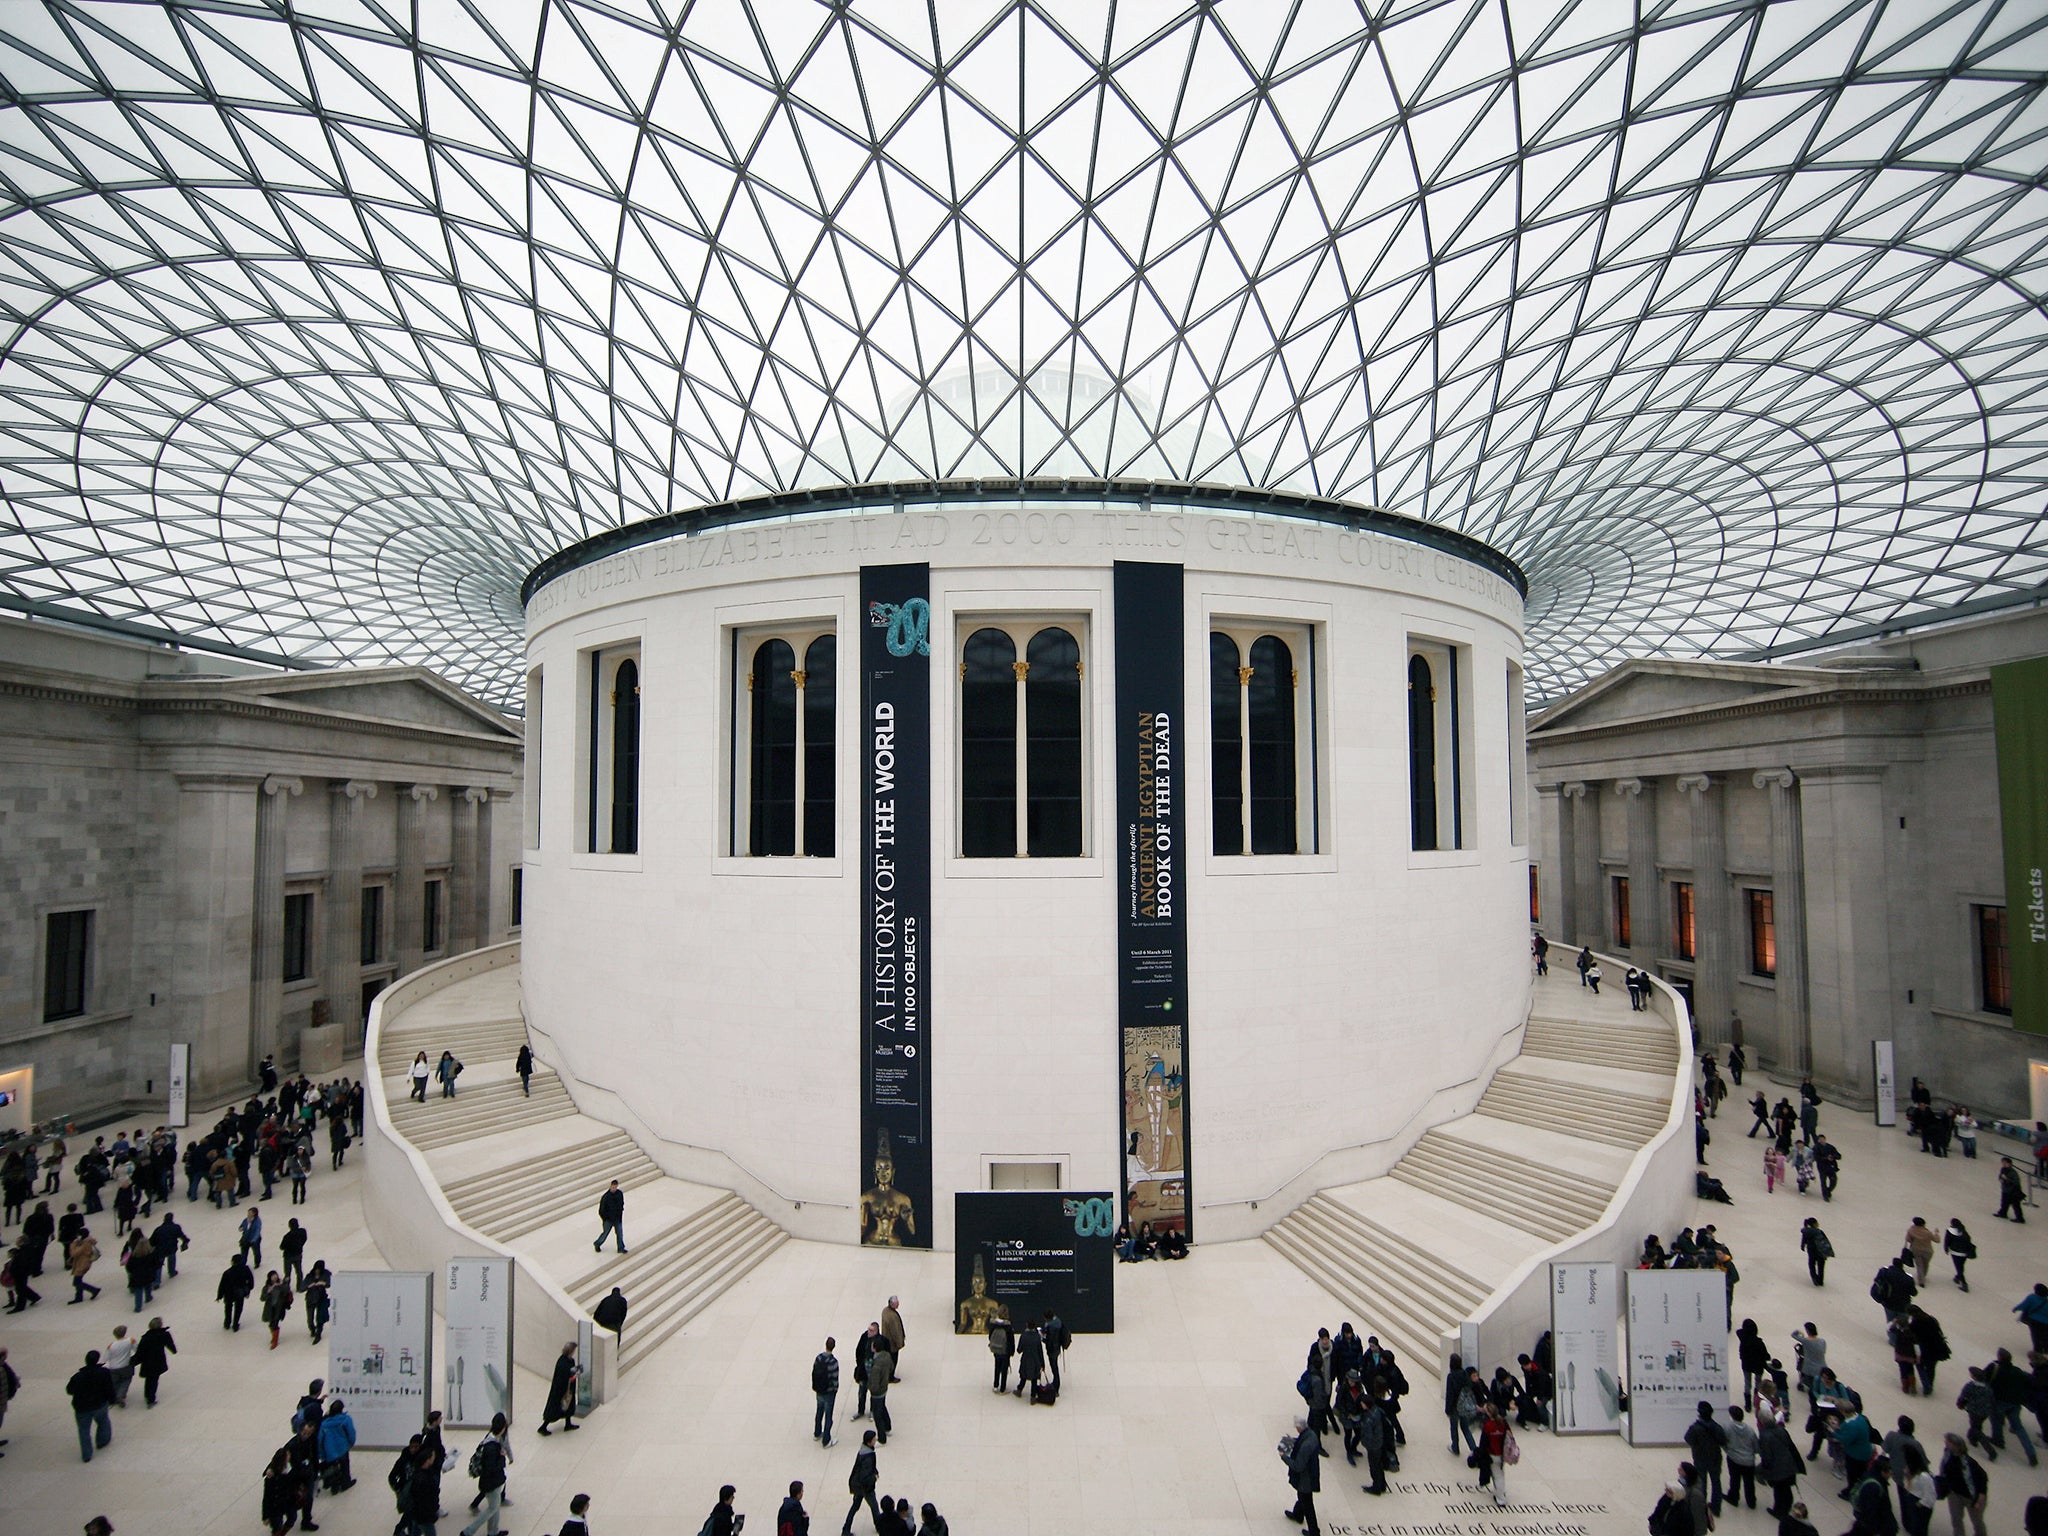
(1457, 1291)
(716, 1268)
(484, 1042)
(481, 1112)
(1627, 1124)
(1600, 1051)
(1413, 1343)
(1546, 1201)
(1430, 1294)
(506, 1204)
(652, 1258)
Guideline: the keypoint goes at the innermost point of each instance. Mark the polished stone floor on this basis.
(1168, 1426)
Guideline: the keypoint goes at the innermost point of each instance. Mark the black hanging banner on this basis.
(1152, 927)
(896, 896)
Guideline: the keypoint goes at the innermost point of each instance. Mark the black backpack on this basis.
(821, 1380)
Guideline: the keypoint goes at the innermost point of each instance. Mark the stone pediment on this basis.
(403, 695)
(1638, 690)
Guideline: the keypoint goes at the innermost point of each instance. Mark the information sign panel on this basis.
(1585, 1344)
(380, 1353)
(476, 1309)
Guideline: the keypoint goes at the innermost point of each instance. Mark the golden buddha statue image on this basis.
(979, 1308)
(884, 1207)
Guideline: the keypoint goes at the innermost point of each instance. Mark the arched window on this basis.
(783, 768)
(988, 746)
(1261, 740)
(771, 788)
(1421, 753)
(626, 758)
(1022, 785)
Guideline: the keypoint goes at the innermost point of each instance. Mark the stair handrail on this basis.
(1376, 1141)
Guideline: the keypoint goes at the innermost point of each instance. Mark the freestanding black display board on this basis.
(1017, 1252)
(896, 884)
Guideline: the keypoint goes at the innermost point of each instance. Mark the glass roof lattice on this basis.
(321, 324)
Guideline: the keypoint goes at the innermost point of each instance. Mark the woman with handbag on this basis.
(1497, 1451)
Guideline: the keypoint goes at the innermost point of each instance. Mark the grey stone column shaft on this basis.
(461, 873)
(266, 949)
(1590, 926)
(409, 905)
(1847, 922)
(1553, 856)
(481, 934)
(1645, 900)
(1713, 983)
(1788, 917)
(342, 973)
(214, 840)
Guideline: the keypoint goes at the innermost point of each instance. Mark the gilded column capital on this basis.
(280, 784)
(1774, 778)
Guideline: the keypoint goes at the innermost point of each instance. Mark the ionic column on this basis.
(482, 932)
(342, 974)
(1585, 873)
(408, 907)
(1712, 911)
(462, 901)
(266, 948)
(1645, 911)
(1788, 917)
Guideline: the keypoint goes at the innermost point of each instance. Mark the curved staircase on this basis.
(1419, 1251)
(526, 1172)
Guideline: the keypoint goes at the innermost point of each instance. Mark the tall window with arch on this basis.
(1022, 740)
(784, 778)
(1437, 730)
(1261, 739)
(610, 770)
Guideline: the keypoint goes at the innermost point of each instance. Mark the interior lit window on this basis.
(1022, 739)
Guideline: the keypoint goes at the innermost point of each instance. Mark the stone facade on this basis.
(182, 801)
(1859, 793)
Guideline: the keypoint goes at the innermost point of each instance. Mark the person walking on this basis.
(2012, 1192)
(280, 1508)
(1305, 1475)
(1920, 1242)
(825, 1390)
(167, 1242)
(318, 1305)
(1827, 1164)
(611, 1313)
(291, 1252)
(722, 1520)
(861, 1482)
(611, 1212)
(276, 1306)
(1054, 1331)
(420, 1071)
(152, 1358)
(1585, 963)
(1738, 1059)
(1001, 1345)
(790, 1518)
(2009, 1390)
(1760, 1107)
(1707, 1440)
(488, 1464)
(92, 1390)
(1960, 1248)
(562, 1392)
(251, 1232)
(1495, 1438)
(423, 1494)
(80, 1256)
(119, 1359)
(1930, 1346)
(1778, 1463)
(1812, 1352)
(523, 1065)
(237, 1284)
(2032, 1309)
(447, 1069)
(1964, 1483)
(863, 1347)
(1892, 1288)
(881, 1371)
(892, 1331)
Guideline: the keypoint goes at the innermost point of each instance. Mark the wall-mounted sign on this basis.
(1884, 1075)
(1018, 1252)
(476, 1309)
(178, 1115)
(380, 1353)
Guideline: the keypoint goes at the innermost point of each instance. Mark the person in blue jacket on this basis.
(337, 1439)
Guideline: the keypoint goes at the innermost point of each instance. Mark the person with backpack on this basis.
(1930, 1346)
(863, 1478)
(825, 1388)
(1817, 1248)
(487, 1464)
(1054, 1332)
(1893, 1289)
(722, 1521)
(1964, 1483)
(1870, 1502)
(790, 1518)
(1002, 1345)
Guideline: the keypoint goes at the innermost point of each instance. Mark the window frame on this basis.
(517, 888)
(1304, 646)
(1022, 626)
(375, 924)
(1684, 920)
(1993, 960)
(1451, 716)
(742, 646)
(1621, 920)
(596, 762)
(86, 957)
(433, 912)
(1760, 907)
(309, 938)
